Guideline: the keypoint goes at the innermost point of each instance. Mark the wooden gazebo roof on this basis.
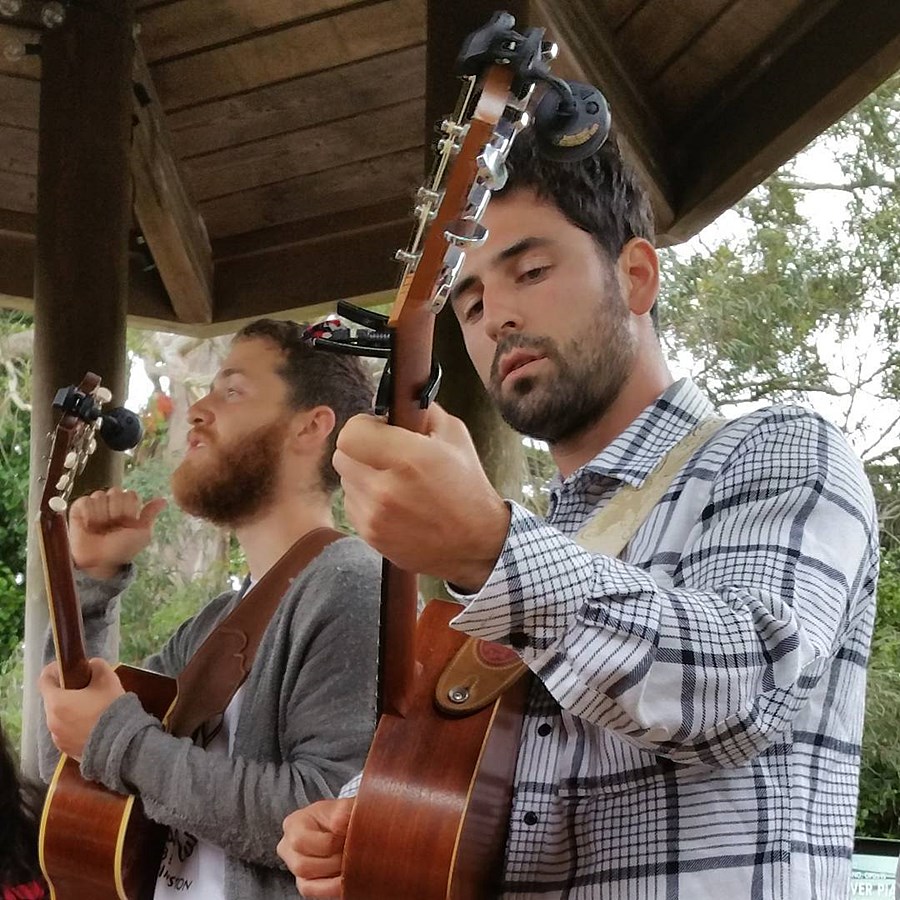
(278, 142)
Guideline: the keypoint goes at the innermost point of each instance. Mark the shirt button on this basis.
(531, 818)
(545, 729)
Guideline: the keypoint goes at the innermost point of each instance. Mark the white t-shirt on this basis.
(191, 868)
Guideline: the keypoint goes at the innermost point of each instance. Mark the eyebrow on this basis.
(225, 373)
(508, 253)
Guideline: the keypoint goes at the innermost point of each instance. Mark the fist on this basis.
(107, 529)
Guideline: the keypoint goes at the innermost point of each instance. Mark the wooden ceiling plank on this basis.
(302, 49)
(650, 48)
(593, 48)
(338, 190)
(299, 103)
(311, 273)
(19, 105)
(785, 107)
(18, 150)
(694, 75)
(183, 28)
(616, 13)
(170, 222)
(249, 166)
(279, 237)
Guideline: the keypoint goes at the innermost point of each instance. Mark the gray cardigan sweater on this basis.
(304, 727)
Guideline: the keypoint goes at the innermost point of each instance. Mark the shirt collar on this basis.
(635, 453)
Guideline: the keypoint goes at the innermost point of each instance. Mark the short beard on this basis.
(234, 484)
(590, 372)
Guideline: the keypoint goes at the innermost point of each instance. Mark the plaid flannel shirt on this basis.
(694, 730)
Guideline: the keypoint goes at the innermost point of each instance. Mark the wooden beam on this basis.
(283, 237)
(81, 269)
(170, 222)
(764, 120)
(316, 271)
(587, 43)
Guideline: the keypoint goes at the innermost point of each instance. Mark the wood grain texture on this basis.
(290, 52)
(95, 843)
(436, 784)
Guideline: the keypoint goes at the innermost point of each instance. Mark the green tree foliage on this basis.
(14, 450)
(879, 812)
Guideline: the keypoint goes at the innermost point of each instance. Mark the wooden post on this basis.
(81, 264)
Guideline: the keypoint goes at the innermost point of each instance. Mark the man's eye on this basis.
(473, 311)
(534, 274)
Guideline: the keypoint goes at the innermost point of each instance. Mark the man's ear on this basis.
(637, 270)
(311, 427)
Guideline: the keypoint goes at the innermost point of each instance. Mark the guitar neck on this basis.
(65, 610)
(411, 370)
(411, 324)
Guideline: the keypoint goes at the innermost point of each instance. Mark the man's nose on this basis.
(501, 316)
(199, 412)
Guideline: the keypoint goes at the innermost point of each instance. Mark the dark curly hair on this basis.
(316, 378)
(20, 802)
(601, 195)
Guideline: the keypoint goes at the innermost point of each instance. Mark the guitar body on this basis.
(96, 844)
(430, 818)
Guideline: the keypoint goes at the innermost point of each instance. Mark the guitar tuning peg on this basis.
(57, 504)
(492, 167)
(103, 394)
(465, 232)
(476, 202)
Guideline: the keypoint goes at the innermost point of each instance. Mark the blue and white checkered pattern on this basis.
(695, 729)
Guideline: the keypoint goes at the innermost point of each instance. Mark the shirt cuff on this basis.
(542, 581)
(104, 752)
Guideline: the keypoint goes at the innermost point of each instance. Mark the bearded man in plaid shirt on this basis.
(694, 727)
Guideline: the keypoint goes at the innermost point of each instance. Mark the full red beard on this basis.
(234, 483)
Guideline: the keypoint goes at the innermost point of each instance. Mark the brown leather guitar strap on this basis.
(222, 662)
(481, 671)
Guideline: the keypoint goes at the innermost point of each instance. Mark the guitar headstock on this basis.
(74, 440)
(470, 165)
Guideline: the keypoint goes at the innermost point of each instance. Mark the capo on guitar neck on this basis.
(374, 340)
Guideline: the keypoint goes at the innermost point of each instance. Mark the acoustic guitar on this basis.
(431, 815)
(95, 844)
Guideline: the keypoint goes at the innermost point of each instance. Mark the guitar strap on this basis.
(481, 671)
(222, 662)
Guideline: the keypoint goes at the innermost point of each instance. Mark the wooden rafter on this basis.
(170, 222)
(588, 53)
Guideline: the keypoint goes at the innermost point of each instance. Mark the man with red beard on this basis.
(693, 729)
(258, 462)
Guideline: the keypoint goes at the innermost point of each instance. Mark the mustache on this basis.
(543, 345)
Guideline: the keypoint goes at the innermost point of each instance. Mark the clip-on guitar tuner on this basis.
(374, 340)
